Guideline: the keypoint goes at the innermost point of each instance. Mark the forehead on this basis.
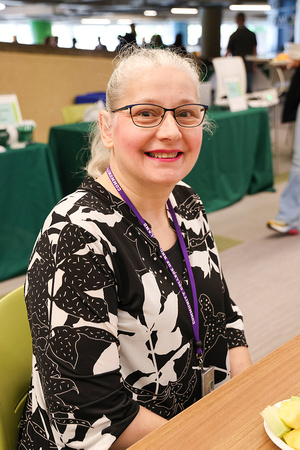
(161, 82)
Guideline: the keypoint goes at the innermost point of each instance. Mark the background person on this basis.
(121, 268)
(287, 220)
(178, 44)
(127, 39)
(51, 41)
(242, 43)
(157, 42)
(100, 46)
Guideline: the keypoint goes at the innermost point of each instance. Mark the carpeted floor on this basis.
(262, 271)
(224, 242)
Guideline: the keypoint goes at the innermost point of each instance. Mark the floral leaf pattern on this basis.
(109, 326)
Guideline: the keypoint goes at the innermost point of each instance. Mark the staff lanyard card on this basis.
(207, 380)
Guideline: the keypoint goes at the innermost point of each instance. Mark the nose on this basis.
(169, 128)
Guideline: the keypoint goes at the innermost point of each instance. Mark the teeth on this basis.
(163, 155)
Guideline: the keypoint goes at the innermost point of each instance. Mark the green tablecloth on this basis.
(29, 188)
(71, 150)
(235, 161)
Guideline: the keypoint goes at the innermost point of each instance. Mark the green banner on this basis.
(40, 30)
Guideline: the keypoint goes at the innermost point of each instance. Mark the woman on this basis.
(127, 303)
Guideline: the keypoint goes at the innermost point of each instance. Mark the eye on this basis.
(146, 111)
(186, 113)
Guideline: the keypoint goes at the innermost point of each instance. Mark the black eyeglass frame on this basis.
(163, 116)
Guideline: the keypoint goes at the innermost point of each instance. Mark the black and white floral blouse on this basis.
(110, 328)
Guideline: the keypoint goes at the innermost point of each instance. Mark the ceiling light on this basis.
(250, 7)
(150, 13)
(2, 6)
(124, 21)
(184, 11)
(95, 21)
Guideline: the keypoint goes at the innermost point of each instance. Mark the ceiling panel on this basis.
(58, 9)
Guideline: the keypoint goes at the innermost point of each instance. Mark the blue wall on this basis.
(282, 16)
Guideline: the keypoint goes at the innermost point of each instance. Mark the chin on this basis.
(166, 180)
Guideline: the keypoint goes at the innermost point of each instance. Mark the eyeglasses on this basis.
(147, 115)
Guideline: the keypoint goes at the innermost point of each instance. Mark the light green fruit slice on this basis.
(276, 425)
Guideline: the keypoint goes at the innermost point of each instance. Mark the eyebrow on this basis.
(181, 102)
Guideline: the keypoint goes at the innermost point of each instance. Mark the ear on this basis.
(105, 129)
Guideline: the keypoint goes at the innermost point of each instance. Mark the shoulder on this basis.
(183, 190)
(187, 202)
(233, 35)
(250, 33)
(86, 208)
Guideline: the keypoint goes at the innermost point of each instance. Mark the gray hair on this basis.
(131, 63)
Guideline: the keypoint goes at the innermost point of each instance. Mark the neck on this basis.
(151, 207)
(151, 204)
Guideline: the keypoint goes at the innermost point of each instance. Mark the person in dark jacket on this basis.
(243, 43)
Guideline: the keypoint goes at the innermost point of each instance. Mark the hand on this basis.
(294, 64)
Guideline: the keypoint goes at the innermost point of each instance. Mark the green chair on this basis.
(15, 365)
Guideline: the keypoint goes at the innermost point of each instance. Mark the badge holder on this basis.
(207, 381)
(207, 377)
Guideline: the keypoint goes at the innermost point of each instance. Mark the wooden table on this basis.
(229, 418)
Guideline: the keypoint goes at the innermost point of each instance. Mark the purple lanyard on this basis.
(194, 316)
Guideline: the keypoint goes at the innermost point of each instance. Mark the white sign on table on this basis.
(236, 99)
(10, 113)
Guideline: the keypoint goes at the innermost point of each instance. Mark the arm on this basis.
(254, 63)
(145, 422)
(239, 357)
(229, 47)
(78, 360)
(239, 360)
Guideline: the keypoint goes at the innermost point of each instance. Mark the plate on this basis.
(277, 441)
(282, 62)
(295, 55)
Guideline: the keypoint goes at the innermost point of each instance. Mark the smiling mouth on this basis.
(161, 155)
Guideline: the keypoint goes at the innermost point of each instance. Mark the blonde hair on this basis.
(131, 63)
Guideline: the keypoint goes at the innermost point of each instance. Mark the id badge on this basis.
(207, 380)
